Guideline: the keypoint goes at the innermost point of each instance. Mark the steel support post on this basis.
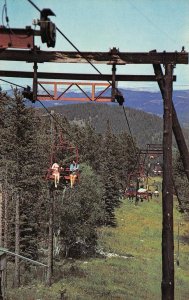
(167, 285)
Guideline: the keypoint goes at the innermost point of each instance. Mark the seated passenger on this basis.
(142, 190)
(73, 172)
(156, 193)
(55, 173)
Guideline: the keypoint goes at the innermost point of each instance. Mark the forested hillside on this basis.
(146, 128)
(43, 222)
(147, 101)
(30, 143)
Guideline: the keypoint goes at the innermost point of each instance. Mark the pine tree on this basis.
(181, 184)
(118, 159)
(80, 211)
(88, 143)
(108, 172)
(20, 156)
(126, 159)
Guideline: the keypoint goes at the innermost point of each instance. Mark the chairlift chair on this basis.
(61, 151)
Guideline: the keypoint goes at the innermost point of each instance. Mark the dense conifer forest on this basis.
(27, 139)
(35, 212)
(145, 127)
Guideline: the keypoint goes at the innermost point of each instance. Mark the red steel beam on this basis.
(80, 85)
(16, 38)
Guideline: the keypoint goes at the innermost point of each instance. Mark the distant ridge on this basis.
(147, 101)
(145, 128)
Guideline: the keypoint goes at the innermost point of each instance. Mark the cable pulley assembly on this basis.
(28, 94)
(47, 28)
(116, 94)
(119, 97)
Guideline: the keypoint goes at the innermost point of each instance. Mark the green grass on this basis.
(139, 277)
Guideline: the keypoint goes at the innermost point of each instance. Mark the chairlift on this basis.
(63, 153)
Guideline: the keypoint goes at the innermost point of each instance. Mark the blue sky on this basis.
(98, 25)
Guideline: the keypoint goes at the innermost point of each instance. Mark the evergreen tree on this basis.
(126, 159)
(181, 184)
(108, 172)
(80, 211)
(88, 143)
(21, 161)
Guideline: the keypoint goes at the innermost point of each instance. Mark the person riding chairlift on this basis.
(55, 174)
(156, 193)
(73, 172)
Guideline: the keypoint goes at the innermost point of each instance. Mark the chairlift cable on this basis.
(2, 14)
(127, 121)
(70, 42)
(55, 119)
(151, 22)
(46, 91)
(6, 14)
(31, 2)
(73, 45)
(17, 85)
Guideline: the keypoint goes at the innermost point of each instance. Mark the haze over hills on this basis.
(145, 128)
(144, 110)
(146, 101)
(151, 102)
